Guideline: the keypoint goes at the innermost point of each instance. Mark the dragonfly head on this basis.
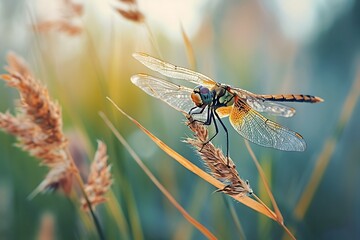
(202, 96)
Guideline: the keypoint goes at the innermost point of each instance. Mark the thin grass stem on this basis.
(251, 203)
(152, 39)
(280, 218)
(116, 211)
(328, 150)
(137, 159)
(189, 49)
(235, 218)
(280, 223)
(82, 189)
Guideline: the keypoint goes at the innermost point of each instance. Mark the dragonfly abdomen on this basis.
(292, 98)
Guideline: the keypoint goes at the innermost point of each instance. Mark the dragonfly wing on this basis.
(272, 108)
(170, 70)
(175, 95)
(257, 129)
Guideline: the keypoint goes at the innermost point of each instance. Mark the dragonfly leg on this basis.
(216, 128)
(208, 122)
(209, 117)
(192, 109)
(227, 136)
(193, 113)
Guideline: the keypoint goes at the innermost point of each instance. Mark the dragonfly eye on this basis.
(201, 96)
(206, 95)
(196, 98)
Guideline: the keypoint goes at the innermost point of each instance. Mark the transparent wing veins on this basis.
(272, 108)
(170, 70)
(258, 104)
(257, 129)
(174, 95)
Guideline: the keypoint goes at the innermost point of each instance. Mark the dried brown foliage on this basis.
(73, 9)
(46, 229)
(219, 166)
(99, 179)
(254, 204)
(58, 25)
(68, 23)
(37, 125)
(129, 9)
(224, 169)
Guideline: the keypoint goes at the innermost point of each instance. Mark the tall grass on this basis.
(98, 191)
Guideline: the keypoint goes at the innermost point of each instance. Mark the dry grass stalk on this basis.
(166, 193)
(73, 9)
(325, 156)
(129, 9)
(247, 201)
(189, 49)
(17, 65)
(38, 129)
(216, 162)
(68, 23)
(58, 25)
(99, 179)
(38, 126)
(47, 227)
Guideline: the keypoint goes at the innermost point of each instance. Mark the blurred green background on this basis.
(264, 46)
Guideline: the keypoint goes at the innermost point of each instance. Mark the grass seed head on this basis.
(37, 125)
(220, 167)
(99, 179)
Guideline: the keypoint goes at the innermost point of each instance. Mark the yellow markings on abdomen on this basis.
(292, 98)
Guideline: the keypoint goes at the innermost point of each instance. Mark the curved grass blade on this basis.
(279, 217)
(189, 49)
(195, 206)
(251, 203)
(167, 194)
(235, 218)
(328, 150)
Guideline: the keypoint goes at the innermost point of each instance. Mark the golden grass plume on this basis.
(37, 125)
(220, 167)
(236, 191)
(129, 9)
(166, 193)
(68, 22)
(99, 179)
(224, 169)
(251, 203)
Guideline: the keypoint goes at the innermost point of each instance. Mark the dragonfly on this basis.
(210, 101)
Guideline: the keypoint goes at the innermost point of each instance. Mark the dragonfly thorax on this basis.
(223, 95)
(202, 96)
